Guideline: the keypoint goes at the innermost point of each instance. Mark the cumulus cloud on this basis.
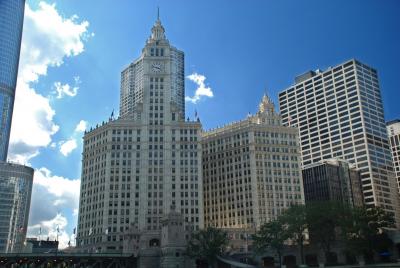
(53, 229)
(66, 147)
(81, 127)
(201, 91)
(32, 112)
(65, 89)
(50, 195)
(48, 38)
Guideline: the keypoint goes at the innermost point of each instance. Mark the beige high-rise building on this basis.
(137, 167)
(393, 128)
(251, 170)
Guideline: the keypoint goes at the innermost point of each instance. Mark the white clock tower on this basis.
(135, 168)
(159, 61)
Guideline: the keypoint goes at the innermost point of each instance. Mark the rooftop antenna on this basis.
(158, 13)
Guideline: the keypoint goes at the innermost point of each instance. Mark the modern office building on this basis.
(11, 23)
(251, 171)
(15, 197)
(333, 180)
(393, 129)
(135, 168)
(15, 180)
(339, 113)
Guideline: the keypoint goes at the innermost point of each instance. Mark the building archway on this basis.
(154, 243)
(289, 261)
(350, 258)
(331, 258)
(268, 262)
(311, 260)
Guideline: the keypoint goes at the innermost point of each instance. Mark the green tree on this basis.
(207, 244)
(271, 235)
(295, 220)
(363, 231)
(324, 221)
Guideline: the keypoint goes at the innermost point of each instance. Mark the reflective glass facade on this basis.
(11, 22)
(15, 197)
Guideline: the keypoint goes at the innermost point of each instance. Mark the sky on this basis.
(73, 52)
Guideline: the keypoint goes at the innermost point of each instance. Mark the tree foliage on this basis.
(296, 224)
(362, 232)
(272, 235)
(324, 221)
(361, 229)
(207, 244)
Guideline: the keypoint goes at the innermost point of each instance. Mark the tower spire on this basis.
(157, 32)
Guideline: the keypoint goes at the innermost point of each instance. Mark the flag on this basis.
(58, 228)
(112, 114)
(69, 243)
(195, 113)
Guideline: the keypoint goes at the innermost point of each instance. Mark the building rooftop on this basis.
(391, 122)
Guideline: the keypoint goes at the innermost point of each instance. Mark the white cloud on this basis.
(50, 195)
(54, 229)
(47, 40)
(201, 91)
(81, 127)
(32, 125)
(68, 146)
(65, 90)
(59, 187)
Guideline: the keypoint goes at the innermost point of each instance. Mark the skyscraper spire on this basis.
(266, 104)
(158, 32)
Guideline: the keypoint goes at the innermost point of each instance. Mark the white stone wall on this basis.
(251, 171)
(136, 167)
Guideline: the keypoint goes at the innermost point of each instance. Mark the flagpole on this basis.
(58, 228)
(58, 243)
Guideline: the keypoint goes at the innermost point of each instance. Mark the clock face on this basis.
(156, 67)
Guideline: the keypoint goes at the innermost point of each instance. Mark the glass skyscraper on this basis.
(15, 180)
(11, 22)
(15, 198)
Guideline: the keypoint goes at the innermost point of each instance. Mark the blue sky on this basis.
(242, 48)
